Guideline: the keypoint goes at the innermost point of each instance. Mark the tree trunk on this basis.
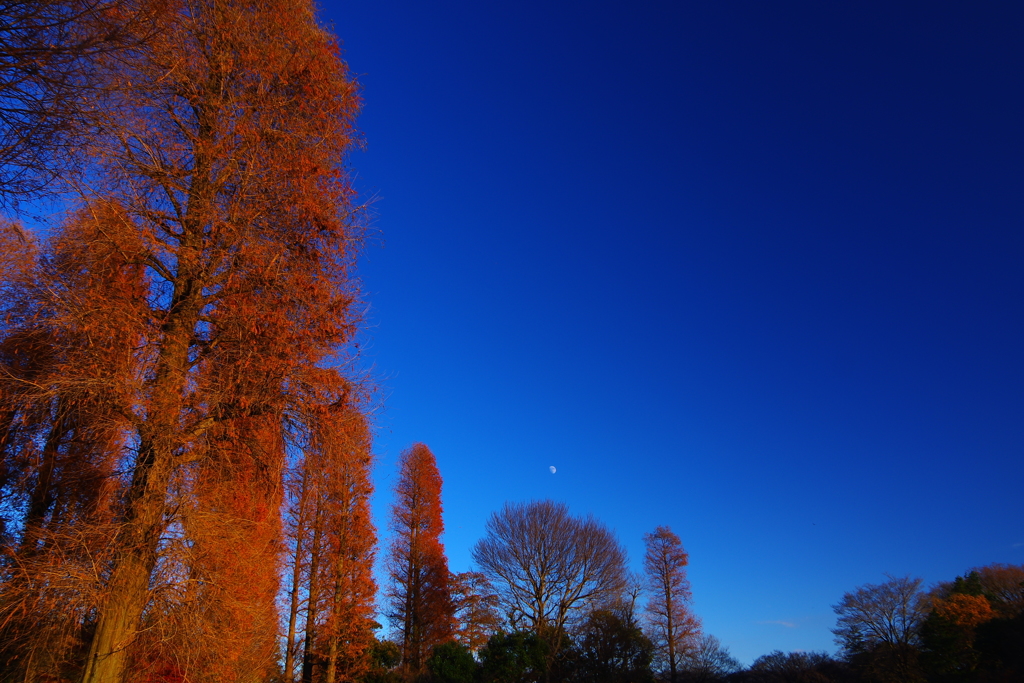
(146, 497)
(307, 647)
(293, 608)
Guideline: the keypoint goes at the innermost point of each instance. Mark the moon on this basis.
(553, 470)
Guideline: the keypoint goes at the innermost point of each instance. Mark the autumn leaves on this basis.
(177, 431)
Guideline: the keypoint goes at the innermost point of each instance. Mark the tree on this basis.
(795, 667)
(332, 546)
(1001, 584)
(673, 625)
(549, 567)
(476, 609)
(183, 336)
(518, 657)
(60, 381)
(709, 661)
(452, 662)
(879, 626)
(948, 633)
(612, 649)
(418, 597)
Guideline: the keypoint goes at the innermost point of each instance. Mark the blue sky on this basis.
(750, 270)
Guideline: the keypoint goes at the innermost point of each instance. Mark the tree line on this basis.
(552, 599)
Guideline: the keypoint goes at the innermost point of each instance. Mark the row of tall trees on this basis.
(178, 431)
(552, 599)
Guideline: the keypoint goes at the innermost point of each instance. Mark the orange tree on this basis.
(173, 343)
(419, 601)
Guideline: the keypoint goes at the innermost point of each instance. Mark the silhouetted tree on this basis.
(549, 567)
(879, 628)
(795, 667)
(709, 661)
(612, 649)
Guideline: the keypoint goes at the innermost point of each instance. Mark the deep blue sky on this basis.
(751, 270)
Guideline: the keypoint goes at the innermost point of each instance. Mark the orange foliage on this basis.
(331, 548)
(177, 338)
(419, 597)
(964, 610)
(341, 457)
(476, 609)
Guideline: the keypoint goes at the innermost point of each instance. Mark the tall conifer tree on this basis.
(419, 595)
(674, 627)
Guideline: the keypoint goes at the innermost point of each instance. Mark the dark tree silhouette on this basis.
(549, 567)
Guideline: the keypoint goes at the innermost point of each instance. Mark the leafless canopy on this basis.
(46, 77)
(547, 566)
(888, 614)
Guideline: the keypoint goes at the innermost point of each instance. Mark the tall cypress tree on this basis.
(419, 595)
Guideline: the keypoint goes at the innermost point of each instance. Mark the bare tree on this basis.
(48, 51)
(883, 621)
(888, 613)
(548, 566)
(709, 661)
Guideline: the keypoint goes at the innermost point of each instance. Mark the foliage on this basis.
(1001, 584)
(611, 649)
(518, 657)
(451, 662)
(948, 634)
(419, 593)
(385, 656)
(675, 630)
(476, 609)
(176, 351)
